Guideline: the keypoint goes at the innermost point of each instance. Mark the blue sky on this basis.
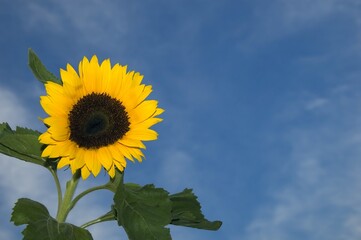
(262, 99)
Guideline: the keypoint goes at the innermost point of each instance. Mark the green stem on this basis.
(106, 217)
(58, 187)
(77, 198)
(68, 196)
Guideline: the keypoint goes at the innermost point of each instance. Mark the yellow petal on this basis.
(52, 108)
(145, 93)
(130, 98)
(64, 161)
(136, 153)
(58, 122)
(120, 165)
(47, 151)
(85, 172)
(70, 77)
(91, 75)
(105, 80)
(89, 158)
(137, 79)
(115, 78)
(125, 152)
(96, 166)
(143, 111)
(111, 171)
(126, 84)
(105, 157)
(116, 153)
(143, 135)
(66, 148)
(72, 167)
(58, 133)
(158, 112)
(79, 161)
(131, 142)
(146, 124)
(57, 96)
(72, 85)
(83, 65)
(96, 74)
(45, 138)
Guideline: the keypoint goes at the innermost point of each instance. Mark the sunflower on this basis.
(98, 118)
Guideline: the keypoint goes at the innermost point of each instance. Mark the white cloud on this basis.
(6, 234)
(91, 22)
(316, 103)
(177, 168)
(39, 15)
(279, 19)
(321, 198)
(21, 179)
(11, 109)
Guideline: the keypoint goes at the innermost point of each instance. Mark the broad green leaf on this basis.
(22, 143)
(186, 211)
(41, 226)
(27, 211)
(143, 211)
(39, 70)
(23, 130)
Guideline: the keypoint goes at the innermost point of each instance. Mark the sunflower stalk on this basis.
(58, 187)
(66, 205)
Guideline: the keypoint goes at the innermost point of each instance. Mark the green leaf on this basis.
(143, 211)
(41, 226)
(22, 143)
(27, 211)
(186, 211)
(39, 70)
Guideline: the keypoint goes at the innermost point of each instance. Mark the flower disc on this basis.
(98, 117)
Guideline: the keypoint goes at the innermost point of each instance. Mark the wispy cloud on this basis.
(177, 169)
(79, 25)
(11, 108)
(320, 198)
(280, 19)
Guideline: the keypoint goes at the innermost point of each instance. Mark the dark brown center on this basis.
(97, 120)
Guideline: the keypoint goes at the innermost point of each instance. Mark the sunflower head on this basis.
(98, 117)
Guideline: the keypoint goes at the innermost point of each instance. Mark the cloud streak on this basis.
(276, 20)
(320, 199)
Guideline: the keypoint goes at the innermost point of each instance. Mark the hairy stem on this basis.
(77, 198)
(58, 188)
(65, 206)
